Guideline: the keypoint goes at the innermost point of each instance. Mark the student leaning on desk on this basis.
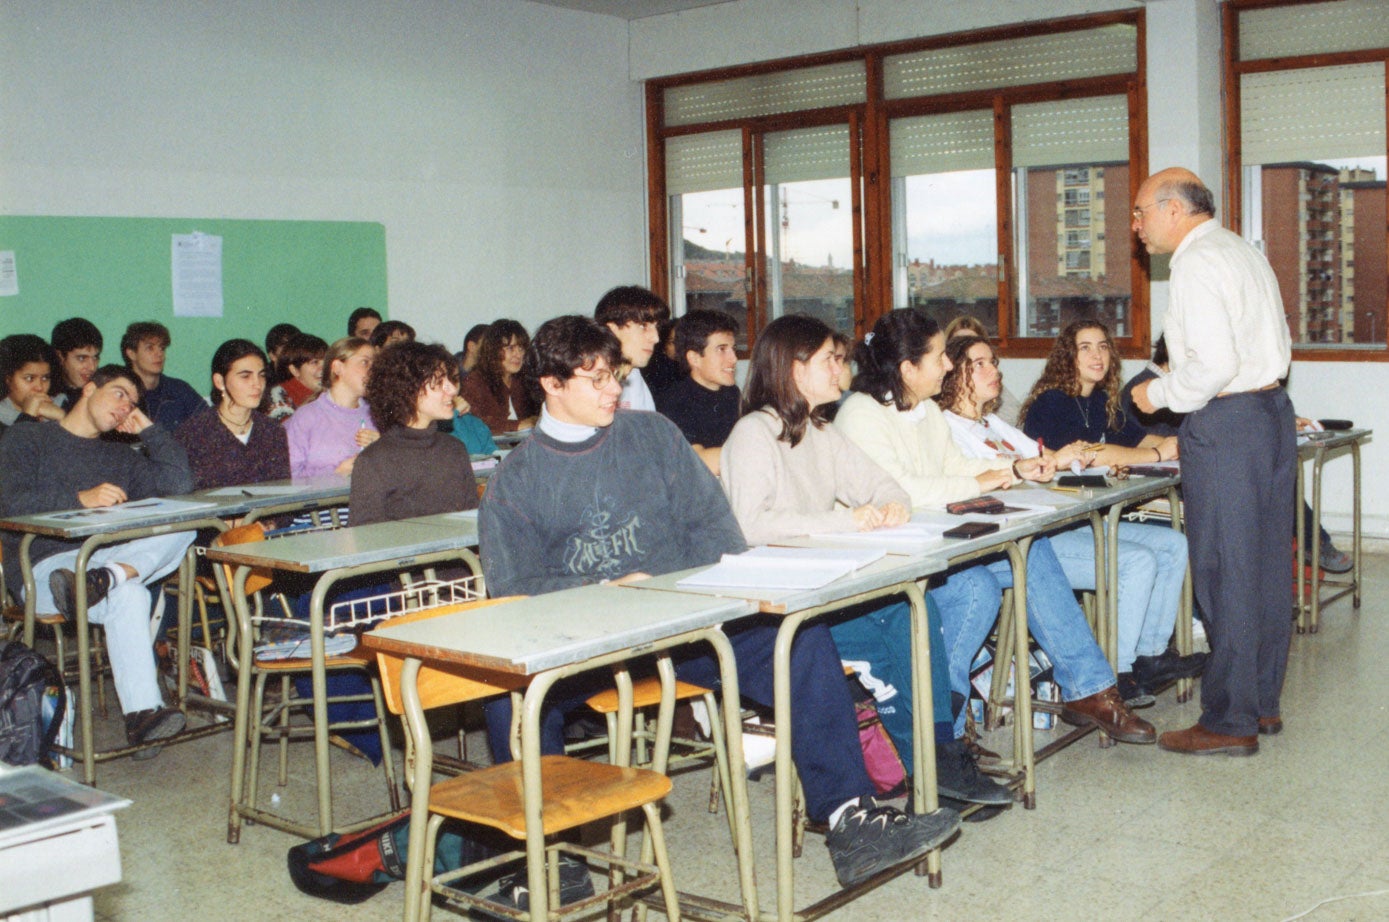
(601, 495)
(47, 467)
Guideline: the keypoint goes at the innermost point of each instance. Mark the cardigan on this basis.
(219, 459)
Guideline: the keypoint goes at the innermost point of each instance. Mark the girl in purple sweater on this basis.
(326, 434)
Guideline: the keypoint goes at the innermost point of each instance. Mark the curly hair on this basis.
(1060, 372)
(489, 353)
(399, 375)
(958, 386)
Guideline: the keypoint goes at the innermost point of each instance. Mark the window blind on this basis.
(1111, 49)
(1313, 28)
(807, 153)
(704, 162)
(1071, 131)
(942, 143)
(1312, 114)
(840, 84)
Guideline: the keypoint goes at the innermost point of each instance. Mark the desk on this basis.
(1319, 449)
(893, 575)
(540, 637)
(333, 556)
(212, 512)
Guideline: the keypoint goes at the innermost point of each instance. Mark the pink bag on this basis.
(880, 756)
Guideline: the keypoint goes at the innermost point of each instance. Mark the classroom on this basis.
(494, 159)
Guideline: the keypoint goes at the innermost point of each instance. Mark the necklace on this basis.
(235, 427)
(1084, 413)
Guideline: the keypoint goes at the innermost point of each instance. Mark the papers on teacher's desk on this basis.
(781, 568)
(123, 511)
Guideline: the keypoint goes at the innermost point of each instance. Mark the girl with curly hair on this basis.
(1077, 398)
(494, 388)
(1152, 560)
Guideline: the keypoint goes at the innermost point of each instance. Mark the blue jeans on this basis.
(1152, 566)
(877, 644)
(1053, 617)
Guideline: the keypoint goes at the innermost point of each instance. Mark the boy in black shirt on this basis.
(704, 403)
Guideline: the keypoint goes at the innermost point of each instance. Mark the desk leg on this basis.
(1317, 463)
(84, 665)
(1355, 523)
(417, 889)
(785, 783)
(1023, 756)
(925, 795)
(320, 703)
(1300, 556)
(243, 722)
(186, 571)
(531, 786)
(26, 572)
(1104, 527)
(741, 821)
(1187, 607)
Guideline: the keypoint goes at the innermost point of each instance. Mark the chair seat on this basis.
(646, 692)
(358, 657)
(574, 792)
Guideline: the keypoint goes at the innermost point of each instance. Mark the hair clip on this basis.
(868, 338)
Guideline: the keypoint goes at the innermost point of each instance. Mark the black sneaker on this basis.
(63, 585)
(1334, 560)
(574, 884)
(958, 776)
(869, 838)
(1134, 695)
(1157, 671)
(152, 724)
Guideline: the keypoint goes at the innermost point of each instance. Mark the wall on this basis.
(500, 144)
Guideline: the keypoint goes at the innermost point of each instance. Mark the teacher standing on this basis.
(1229, 346)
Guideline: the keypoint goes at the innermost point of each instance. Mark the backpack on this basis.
(25, 678)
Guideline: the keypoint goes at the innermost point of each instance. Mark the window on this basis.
(1309, 187)
(994, 151)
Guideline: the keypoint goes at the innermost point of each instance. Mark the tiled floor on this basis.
(1118, 834)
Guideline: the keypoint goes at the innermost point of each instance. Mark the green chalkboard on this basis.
(114, 271)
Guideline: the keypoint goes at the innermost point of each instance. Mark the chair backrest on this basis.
(258, 578)
(442, 684)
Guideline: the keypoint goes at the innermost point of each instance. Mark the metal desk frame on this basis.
(1320, 450)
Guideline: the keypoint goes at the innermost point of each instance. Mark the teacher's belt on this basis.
(1257, 390)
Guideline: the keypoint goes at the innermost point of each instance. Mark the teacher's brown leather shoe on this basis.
(1196, 740)
(1106, 711)
(1269, 726)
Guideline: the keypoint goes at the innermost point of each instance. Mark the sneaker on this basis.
(152, 724)
(575, 884)
(869, 838)
(958, 776)
(1134, 695)
(1334, 560)
(63, 585)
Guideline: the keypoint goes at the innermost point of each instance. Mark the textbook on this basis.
(782, 568)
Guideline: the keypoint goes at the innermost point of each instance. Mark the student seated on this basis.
(66, 465)
(327, 434)
(893, 419)
(362, 322)
(413, 469)
(391, 331)
(1152, 559)
(168, 400)
(472, 341)
(232, 442)
(665, 368)
(300, 375)
(634, 315)
(704, 403)
(494, 390)
(25, 365)
(1077, 399)
(600, 495)
(1165, 422)
(788, 474)
(276, 338)
(78, 344)
(965, 325)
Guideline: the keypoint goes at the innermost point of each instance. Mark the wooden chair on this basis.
(274, 721)
(573, 792)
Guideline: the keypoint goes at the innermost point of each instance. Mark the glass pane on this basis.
(1071, 210)
(944, 217)
(709, 254)
(809, 236)
(1322, 226)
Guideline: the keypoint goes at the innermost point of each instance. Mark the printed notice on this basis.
(197, 275)
(9, 275)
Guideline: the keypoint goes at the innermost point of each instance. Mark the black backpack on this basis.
(25, 677)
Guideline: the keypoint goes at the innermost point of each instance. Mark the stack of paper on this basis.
(781, 568)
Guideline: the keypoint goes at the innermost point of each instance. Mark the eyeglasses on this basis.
(599, 380)
(1138, 212)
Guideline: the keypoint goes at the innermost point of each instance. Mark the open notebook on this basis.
(782, 568)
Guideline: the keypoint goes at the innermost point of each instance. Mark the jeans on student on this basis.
(125, 612)
(1053, 617)
(824, 733)
(877, 644)
(1152, 567)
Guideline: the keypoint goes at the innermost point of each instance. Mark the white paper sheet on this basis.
(197, 275)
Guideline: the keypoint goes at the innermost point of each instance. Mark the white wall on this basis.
(500, 143)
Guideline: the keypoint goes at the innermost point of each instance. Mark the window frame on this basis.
(871, 169)
(1233, 205)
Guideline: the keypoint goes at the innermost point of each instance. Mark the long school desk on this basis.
(1319, 448)
(891, 576)
(559, 634)
(206, 509)
(331, 556)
